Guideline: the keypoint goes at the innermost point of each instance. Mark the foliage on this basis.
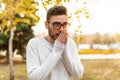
(19, 11)
(22, 34)
(22, 13)
(78, 36)
(117, 37)
(47, 3)
(3, 40)
(96, 39)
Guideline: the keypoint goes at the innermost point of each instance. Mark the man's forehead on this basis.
(62, 18)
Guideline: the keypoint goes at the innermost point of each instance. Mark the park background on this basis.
(94, 27)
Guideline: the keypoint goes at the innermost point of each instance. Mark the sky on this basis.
(104, 18)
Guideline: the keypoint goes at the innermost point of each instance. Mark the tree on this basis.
(97, 38)
(22, 34)
(117, 38)
(26, 10)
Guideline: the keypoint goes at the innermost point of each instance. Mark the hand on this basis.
(62, 38)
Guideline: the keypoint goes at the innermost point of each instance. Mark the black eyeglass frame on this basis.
(57, 25)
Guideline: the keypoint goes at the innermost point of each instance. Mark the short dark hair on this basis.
(56, 10)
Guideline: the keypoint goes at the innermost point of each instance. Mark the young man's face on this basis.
(56, 25)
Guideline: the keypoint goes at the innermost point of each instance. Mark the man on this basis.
(55, 56)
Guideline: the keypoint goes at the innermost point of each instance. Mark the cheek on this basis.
(53, 32)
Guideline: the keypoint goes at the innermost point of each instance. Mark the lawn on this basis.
(101, 70)
(94, 70)
(19, 70)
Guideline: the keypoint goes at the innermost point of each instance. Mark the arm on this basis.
(71, 60)
(36, 70)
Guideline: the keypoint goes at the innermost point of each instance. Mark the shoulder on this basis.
(34, 41)
(71, 41)
(71, 44)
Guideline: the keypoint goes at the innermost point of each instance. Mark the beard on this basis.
(52, 35)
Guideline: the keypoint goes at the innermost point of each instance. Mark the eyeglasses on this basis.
(58, 25)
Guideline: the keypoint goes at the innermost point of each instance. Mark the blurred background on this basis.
(94, 26)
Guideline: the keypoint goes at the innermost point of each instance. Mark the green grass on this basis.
(19, 70)
(94, 70)
(101, 70)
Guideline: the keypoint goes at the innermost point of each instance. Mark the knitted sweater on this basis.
(46, 61)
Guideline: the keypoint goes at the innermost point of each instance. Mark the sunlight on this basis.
(2, 7)
(104, 17)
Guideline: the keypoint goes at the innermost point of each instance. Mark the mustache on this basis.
(58, 34)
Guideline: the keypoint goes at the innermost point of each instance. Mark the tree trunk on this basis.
(11, 52)
(7, 57)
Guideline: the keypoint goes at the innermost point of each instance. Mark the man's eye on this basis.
(57, 24)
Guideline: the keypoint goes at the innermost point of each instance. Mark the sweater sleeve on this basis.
(72, 61)
(37, 71)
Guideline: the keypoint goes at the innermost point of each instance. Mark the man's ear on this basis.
(46, 24)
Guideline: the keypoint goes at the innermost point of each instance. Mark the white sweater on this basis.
(46, 61)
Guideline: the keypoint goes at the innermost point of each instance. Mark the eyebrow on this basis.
(60, 22)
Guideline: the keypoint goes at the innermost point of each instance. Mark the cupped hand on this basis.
(62, 38)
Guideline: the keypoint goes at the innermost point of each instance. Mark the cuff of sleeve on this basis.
(58, 44)
(59, 47)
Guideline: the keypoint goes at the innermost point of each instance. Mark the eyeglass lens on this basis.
(58, 25)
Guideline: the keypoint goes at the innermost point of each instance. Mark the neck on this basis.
(49, 39)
